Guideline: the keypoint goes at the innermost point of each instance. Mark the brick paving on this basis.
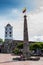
(6, 59)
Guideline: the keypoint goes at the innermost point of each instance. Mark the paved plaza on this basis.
(6, 59)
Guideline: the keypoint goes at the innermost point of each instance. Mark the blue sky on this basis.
(11, 12)
(15, 3)
(6, 5)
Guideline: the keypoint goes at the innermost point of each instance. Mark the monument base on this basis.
(24, 59)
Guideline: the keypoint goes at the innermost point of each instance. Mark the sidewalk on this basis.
(6, 59)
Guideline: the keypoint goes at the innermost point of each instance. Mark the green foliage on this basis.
(20, 45)
(18, 48)
(16, 51)
(1, 40)
(41, 45)
(33, 46)
(37, 45)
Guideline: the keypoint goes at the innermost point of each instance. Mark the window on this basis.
(10, 32)
(10, 28)
(6, 32)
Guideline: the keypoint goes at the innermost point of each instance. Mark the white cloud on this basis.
(35, 5)
(35, 24)
(39, 5)
(16, 23)
(15, 18)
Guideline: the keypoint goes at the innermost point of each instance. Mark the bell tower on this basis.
(8, 32)
(8, 38)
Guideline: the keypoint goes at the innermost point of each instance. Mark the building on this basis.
(8, 38)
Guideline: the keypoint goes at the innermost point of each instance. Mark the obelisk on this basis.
(26, 42)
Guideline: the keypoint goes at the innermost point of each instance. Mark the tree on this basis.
(16, 51)
(20, 46)
(41, 45)
(35, 46)
(1, 40)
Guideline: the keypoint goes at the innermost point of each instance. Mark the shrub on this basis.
(35, 46)
(20, 45)
(16, 51)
